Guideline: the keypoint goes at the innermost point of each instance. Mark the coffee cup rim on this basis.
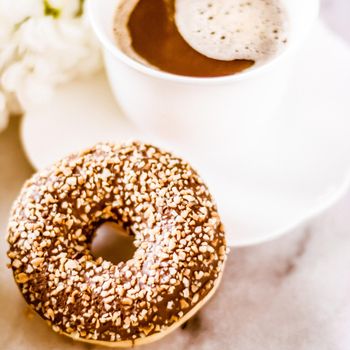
(113, 49)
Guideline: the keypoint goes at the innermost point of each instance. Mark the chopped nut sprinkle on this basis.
(159, 199)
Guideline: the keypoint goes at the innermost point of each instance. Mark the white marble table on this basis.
(292, 293)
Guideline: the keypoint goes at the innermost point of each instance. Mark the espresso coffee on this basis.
(200, 38)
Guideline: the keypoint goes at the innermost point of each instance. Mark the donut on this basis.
(180, 246)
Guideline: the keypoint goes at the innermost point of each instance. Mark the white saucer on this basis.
(288, 171)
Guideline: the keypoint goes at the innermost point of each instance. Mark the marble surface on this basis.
(292, 293)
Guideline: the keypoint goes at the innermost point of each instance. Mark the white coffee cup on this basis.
(197, 115)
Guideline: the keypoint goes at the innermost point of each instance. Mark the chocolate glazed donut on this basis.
(159, 200)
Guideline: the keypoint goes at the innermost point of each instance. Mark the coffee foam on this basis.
(121, 32)
(232, 29)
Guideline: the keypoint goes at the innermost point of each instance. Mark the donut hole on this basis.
(112, 243)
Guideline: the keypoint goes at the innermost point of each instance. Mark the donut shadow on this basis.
(112, 243)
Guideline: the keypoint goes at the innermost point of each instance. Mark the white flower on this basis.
(16, 11)
(43, 43)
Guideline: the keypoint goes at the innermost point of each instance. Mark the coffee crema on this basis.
(200, 38)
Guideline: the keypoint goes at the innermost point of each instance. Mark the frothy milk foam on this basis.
(122, 34)
(232, 29)
(220, 29)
